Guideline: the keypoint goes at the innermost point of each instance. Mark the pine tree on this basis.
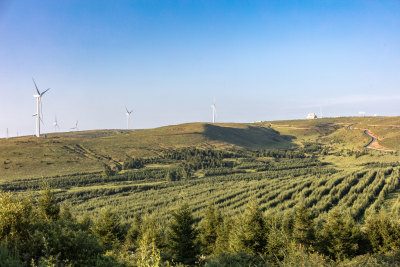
(182, 236)
(250, 234)
(222, 243)
(303, 228)
(340, 238)
(134, 232)
(383, 233)
(209, 229)
(152, 230)
(108, 229)
(107, 171)
(47, 205)
(171, 176)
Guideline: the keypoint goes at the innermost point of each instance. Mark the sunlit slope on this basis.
(335, 130)
(87, 151)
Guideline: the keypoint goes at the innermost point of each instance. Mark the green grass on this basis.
(72, 164)
(67, 153)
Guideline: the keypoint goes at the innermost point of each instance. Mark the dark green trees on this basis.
(107, 171)
(250, 233)
(48, 206)
(383, 233)
(209, 228)
(182, 236)
(340, 237)
(108, 229)
(303, 228)
(133, 235)
(133, 163)
(41, 235)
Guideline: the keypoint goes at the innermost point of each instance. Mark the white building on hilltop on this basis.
(311, 116)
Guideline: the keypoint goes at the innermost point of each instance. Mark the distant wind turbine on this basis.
(214, 111)
(55, 123)
(76, 126)
(128, 117)
(39, 108)
(320, 111)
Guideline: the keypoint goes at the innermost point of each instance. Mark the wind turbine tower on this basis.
(128, 117)
(76, 126)
(214, 110)
(38, 114)
(320, 111)
(55, 124)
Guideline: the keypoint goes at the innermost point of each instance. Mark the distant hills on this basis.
(87, 151)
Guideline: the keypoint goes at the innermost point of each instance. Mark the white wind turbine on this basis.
(214, 111)
(76, 127)
(55, 123)
(39, 107)
(128, 117)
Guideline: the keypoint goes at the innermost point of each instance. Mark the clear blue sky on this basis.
(167, 60)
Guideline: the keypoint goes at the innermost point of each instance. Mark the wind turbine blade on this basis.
(37, 90)
(126, 109)
(45, 91)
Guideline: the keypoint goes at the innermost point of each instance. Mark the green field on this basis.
(321, 164)
(74, 152)
(67, 159)
(68, 153)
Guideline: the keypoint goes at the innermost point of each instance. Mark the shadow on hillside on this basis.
(251, 137)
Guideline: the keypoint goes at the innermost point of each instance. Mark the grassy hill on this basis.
(87, 151)
(324, 156)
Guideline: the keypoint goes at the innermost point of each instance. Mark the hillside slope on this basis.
(72, 152)
(87, 151)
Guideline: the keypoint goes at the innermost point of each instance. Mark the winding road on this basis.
(373, 144)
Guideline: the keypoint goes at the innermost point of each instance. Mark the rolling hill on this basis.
(320, 162)
(87, 151)
(72, 152)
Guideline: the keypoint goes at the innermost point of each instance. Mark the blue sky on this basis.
(167, 60)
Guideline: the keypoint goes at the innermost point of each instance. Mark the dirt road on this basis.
(373, 144)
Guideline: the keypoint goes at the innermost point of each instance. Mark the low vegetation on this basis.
(41, 233)
(307, 195)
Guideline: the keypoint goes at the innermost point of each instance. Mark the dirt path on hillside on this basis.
(373, 144)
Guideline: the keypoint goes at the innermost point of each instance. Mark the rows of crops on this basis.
(278, 181)
(357, 193)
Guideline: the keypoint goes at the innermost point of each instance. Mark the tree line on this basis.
(38, 232)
